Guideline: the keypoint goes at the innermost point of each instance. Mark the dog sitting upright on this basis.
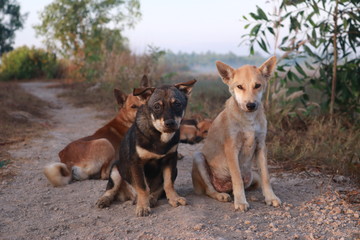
(148, 154)
(235, 138)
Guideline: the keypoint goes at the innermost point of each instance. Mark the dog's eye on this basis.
(134, 106)
(257, 85)
(157, 106)
(177, 104)
(240, 87)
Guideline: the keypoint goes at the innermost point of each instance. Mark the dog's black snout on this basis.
(170, 123)
(251, 106)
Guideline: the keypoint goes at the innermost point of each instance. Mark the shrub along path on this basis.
(30, 208)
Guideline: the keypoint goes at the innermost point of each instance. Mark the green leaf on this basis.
(261, 13)
(262, 44)
(254, 31)
(254, 16)
(252, 50)
(300, 70)
(271, 30)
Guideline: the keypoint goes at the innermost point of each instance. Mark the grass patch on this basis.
(330, 146)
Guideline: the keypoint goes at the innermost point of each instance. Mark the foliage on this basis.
(316, 144)
(28, 63)
(11, 20)
(81, 30)
(319, 47)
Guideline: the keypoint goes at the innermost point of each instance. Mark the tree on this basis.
(80, 28)
(319, 47)
(11, 20)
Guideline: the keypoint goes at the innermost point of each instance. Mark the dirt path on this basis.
(32, 209)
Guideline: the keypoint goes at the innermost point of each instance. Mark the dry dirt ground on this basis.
(30, 208)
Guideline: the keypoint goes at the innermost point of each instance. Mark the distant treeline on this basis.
(205, 62)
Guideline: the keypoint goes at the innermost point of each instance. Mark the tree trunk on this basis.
(333, 85)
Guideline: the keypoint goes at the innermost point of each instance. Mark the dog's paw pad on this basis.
(142, 211)
(241, 206)
(177, 201)
(103, 202)
(276, 202)
(223, 197)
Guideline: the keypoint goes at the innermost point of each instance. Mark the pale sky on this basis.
(184, 25)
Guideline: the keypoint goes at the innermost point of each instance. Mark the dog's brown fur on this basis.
(192, 131)
(236, 137)
(92, 156)
(203, 128)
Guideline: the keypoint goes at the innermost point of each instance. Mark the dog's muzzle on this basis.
(170, 125)
(251, 106)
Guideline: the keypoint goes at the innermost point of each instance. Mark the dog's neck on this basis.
(122, 121)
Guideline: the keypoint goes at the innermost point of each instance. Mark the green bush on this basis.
(28, 63)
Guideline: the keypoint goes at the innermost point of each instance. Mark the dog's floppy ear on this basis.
(120, 97)
(225, 71)
(268, 67)
(144, 81)
(143, 93)
(186, 87)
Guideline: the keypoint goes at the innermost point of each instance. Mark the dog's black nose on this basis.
(170, 123)
(251, 106)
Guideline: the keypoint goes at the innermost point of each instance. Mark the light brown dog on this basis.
(203, 128)
(236, 138)
(192, 131)
(92, 156)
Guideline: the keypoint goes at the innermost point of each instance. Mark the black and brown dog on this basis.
(148, 154)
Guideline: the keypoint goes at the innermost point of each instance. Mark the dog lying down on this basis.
(146, 166)
(91, 157)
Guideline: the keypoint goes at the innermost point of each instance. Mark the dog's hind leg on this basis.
(201, 180)
(112, 188)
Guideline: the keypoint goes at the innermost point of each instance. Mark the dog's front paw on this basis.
(143, 211)
(177, 201)
(241, 206)
(273, 201)
(223, 197)
(153, 201)
(103, 202)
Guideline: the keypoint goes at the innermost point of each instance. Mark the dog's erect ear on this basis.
(186, 87)
(144, 82)
(268, 67)
(225, 71)
(120, 97)
(143, 93)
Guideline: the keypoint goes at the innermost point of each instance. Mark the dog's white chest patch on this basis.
(145, 154)
(165, 137)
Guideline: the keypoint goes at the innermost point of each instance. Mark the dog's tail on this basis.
(58, 174)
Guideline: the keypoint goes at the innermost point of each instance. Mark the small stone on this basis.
(198, 227)
(247, 222)
(296, 236)
(356, 215)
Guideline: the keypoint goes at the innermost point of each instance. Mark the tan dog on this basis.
(203, 128)
(92, 156)
(236, 137)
